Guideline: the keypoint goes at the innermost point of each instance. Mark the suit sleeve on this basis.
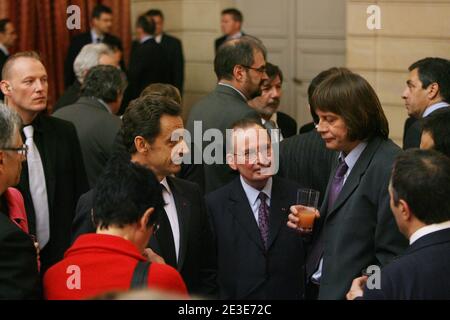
(412, 136)
(18, 264)
(389, 242)
(79, 173)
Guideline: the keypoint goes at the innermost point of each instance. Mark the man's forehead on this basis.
(20, 68)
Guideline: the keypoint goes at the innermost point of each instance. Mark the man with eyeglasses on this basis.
(54, 176)
(240, 66)
(18, 260)
(258, 256)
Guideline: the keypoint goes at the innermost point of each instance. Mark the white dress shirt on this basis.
(252, 196)
(171, 211)
(4, 49)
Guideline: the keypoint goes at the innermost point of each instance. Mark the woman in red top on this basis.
(127, 204)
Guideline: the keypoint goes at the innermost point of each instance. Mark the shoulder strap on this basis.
(140, 275)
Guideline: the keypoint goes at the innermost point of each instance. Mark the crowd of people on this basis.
(104, 197)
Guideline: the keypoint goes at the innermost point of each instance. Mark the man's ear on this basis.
(5, 87)
(140, 144)
(143, 222)
(239, 72)
(405, 211)
(433, 90)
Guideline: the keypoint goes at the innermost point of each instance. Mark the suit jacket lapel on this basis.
(278, 211)
(241, 210)
(183, 207)
(355, 175)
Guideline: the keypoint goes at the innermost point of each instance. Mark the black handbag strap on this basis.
(140, 275)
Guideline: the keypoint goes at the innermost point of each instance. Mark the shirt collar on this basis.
(4, 49)
(434, 107)
(95, 36)
(427, 230)
(235, 36)
(158, 38)
(166, 185)
(273, 118)
(353, 156)
(252, 193)
(230, 86)
(103, 103)
(148, 37)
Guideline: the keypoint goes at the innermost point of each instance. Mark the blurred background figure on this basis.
(90, 56)
(172, 47)
(231, 24)
(101, 26)
(8, 38)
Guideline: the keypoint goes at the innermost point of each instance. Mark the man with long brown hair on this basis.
(356, 228)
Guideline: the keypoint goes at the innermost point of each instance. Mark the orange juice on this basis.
(306, 219)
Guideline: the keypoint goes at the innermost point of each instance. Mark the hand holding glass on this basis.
(307, 202)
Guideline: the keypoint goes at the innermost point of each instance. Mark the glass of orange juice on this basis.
(307, 201)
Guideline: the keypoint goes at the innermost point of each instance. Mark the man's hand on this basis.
(357, 289)
(293, 218)
(153, 257)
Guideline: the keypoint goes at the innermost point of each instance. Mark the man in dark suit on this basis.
(19, 275)
(259, 257)
(419, 191)
(356, 228)
(240, 69)
(8, 37)
(184, 238)
(101, 24)
(94, 117)
(427, 90)
(231, 25)
(148, 62)
(268, 102)
(172, 48)
(54, 177)
(90, 56)
(436, 132)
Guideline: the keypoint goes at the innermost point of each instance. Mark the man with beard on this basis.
(240, 66)
(268, 102)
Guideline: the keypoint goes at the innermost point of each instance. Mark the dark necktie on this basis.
(337, 183)
(263, 218)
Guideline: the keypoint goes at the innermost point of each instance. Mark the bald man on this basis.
(53, 177)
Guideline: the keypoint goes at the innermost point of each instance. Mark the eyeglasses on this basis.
(260, 69)
(23, 150)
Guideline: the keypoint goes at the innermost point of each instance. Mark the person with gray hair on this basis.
(240, 66)
(18, 256)
(90, 56)
(94, 116)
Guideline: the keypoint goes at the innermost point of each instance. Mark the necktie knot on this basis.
(262, 196)
(341, 169)
(28, 131)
